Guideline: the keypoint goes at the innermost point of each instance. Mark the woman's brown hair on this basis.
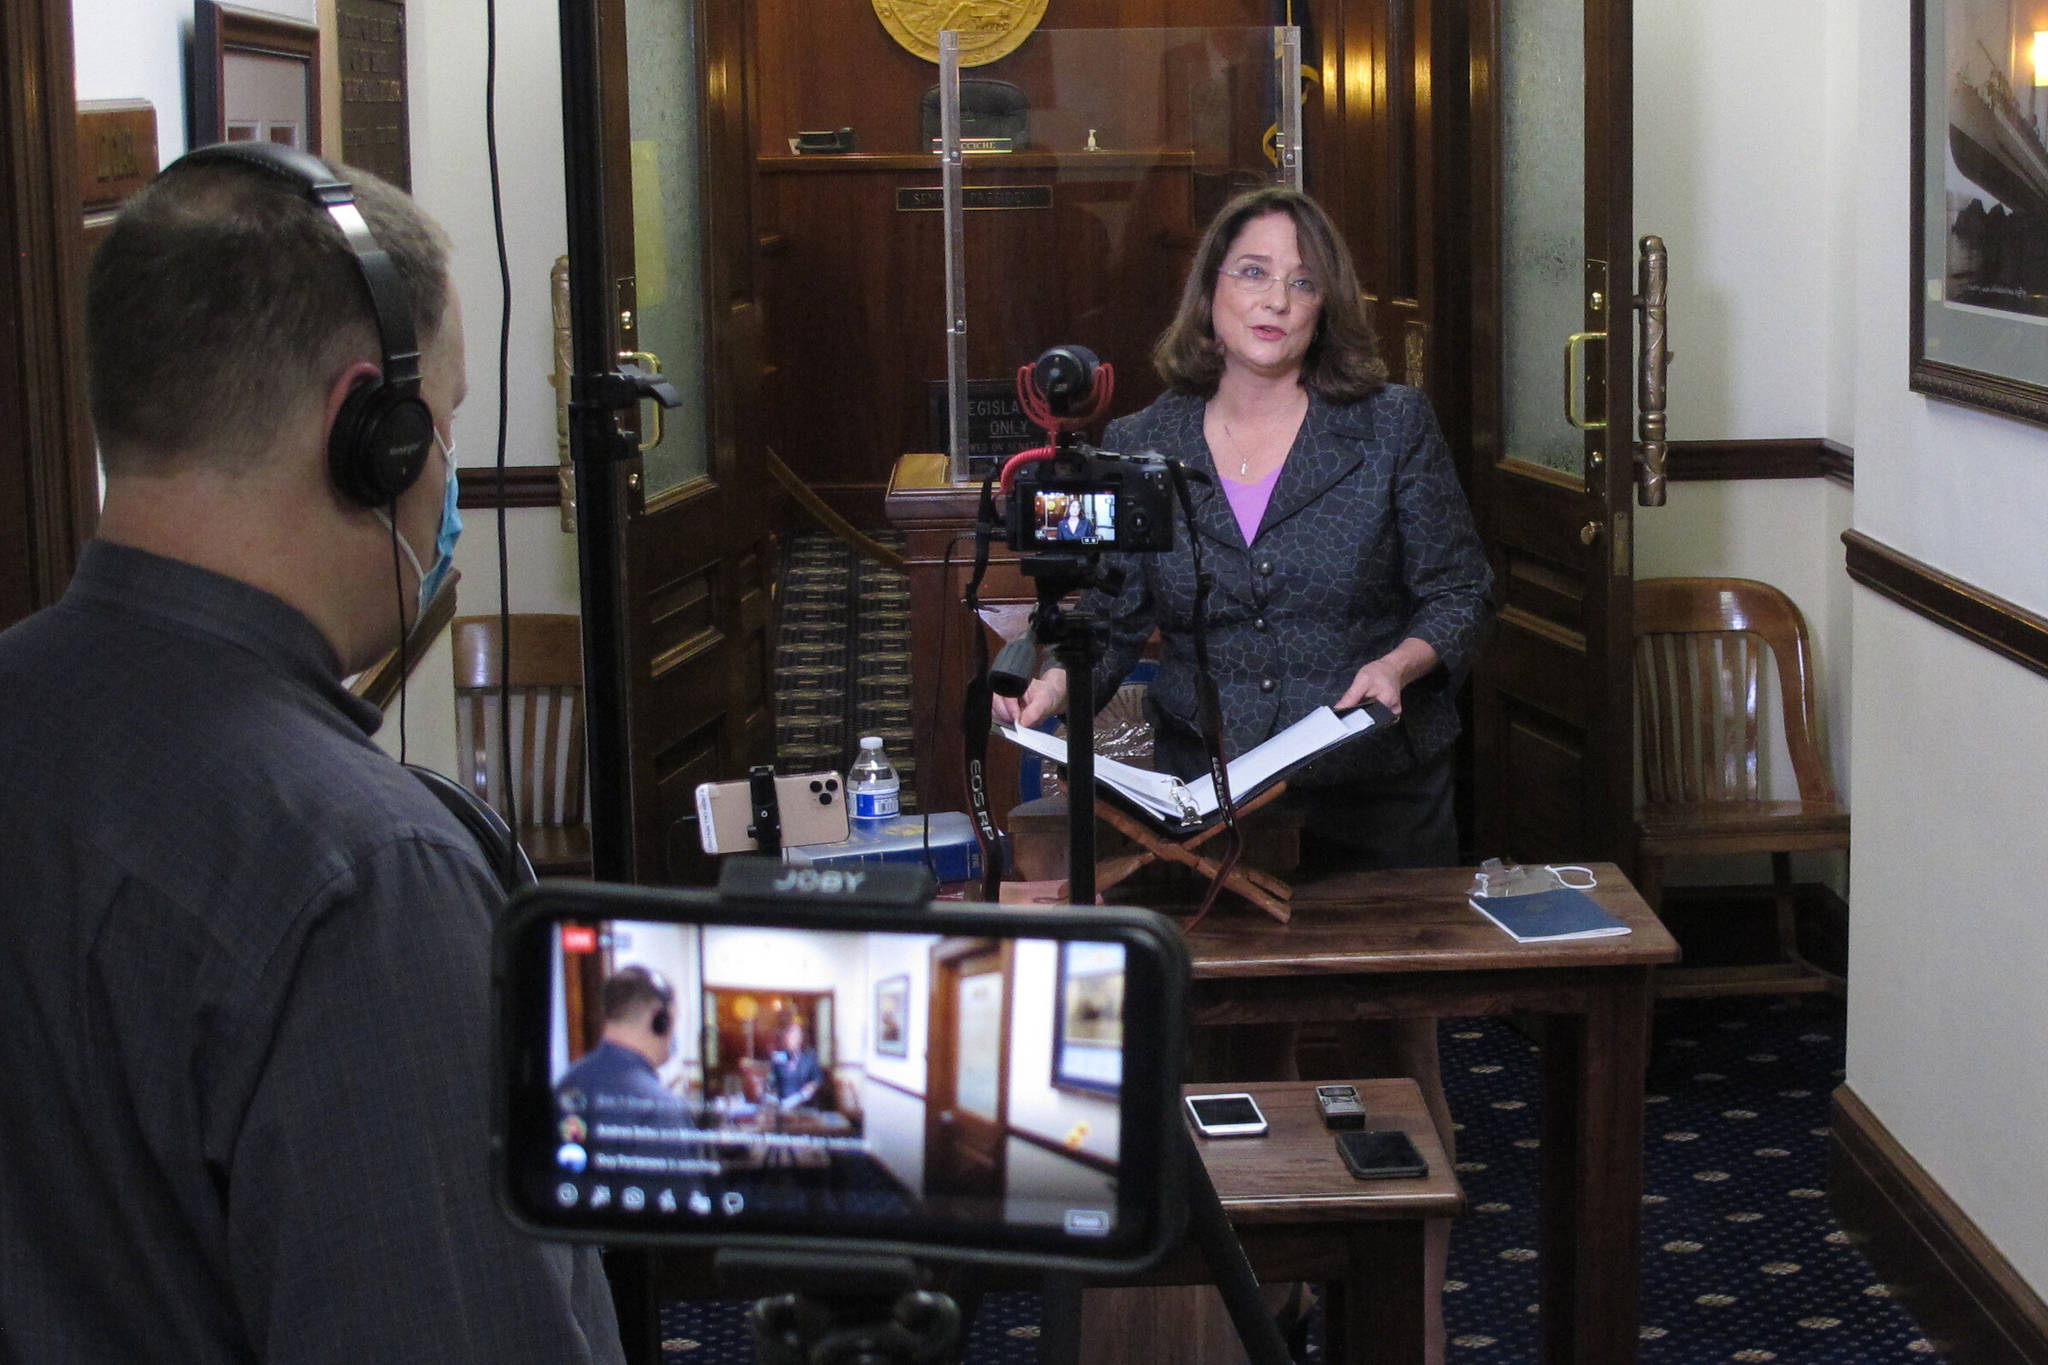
(1343, 361)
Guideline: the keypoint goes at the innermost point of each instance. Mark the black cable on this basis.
(511, 794)
(398, 587)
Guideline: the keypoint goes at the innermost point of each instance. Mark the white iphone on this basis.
(1235, 1115)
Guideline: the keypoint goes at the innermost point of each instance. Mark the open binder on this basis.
(1181, 807)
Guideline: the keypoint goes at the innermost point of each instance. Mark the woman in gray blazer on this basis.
(1345, 568)
(1344, 562)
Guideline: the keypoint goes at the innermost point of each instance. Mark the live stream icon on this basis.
(579, 938)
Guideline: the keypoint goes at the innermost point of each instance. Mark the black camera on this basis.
(841, 1073)
(1096, 501)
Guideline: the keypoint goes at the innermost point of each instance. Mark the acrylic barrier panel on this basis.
(1086, 172)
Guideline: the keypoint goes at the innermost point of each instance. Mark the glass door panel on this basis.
(1543, 211)
(668, 256)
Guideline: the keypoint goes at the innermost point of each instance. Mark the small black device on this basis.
(1387, 1154)
(383, 430)
(1340, 1106)
(828, 140)
(1234, 1115)
(1092, 1002)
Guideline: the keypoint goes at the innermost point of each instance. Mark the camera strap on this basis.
(1208, 706)
(975, 715)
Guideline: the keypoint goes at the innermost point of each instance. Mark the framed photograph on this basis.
(255, 76)
(1980, 205)
(1088, 1020)
(892, 1016)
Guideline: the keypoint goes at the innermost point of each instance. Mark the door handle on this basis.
(1575, 380)
(649, 362)
(1652, 275)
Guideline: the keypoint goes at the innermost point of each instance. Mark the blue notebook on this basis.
(1548, 916)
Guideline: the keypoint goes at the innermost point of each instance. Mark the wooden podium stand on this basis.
(937, 518)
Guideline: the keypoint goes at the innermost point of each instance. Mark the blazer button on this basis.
(1267, 684)
(1260, 624)
(1265, 568)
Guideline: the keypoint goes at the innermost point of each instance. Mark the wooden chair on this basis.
(547, 732)
(1699, 647)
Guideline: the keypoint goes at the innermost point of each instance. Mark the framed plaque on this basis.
(375, 129)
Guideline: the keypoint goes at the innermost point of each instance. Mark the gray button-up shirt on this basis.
(244, 1004)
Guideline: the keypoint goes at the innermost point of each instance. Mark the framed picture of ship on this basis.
(1980, 196)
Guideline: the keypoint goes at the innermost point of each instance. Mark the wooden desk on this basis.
(1402, 944)
(1301, 1215)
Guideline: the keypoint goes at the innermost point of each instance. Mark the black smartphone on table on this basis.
(1384, 1155)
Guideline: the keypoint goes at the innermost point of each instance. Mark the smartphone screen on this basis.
(904, 1084)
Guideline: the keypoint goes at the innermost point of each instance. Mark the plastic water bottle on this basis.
(873, 785)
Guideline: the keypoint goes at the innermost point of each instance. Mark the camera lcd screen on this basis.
(1074, 516)
(738, 1080)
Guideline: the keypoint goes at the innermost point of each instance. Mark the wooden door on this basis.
(967, 1092)
(48, 490)
(691, 584)
(1553, 263)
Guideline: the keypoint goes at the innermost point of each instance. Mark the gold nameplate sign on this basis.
(988, 29)
(932, 198)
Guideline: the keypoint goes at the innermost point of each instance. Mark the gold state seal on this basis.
(988, 29)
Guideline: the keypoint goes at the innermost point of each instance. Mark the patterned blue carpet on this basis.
(1742, 1260)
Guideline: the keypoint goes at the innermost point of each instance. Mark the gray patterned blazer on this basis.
(1367, 541)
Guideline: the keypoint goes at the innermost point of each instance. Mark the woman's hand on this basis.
(1383, 678)
(1046, 695)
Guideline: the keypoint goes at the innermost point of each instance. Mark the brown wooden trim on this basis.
(526, 485)
(1788, 458)
(871, 1078)
(1838, 462)
(1966, 1296)
(2000, 626)
(1100, 1164)
(46, 450)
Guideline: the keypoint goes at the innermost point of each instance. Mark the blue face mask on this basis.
(434, 576)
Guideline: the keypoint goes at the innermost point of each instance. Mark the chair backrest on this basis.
(546, 690)
(1699, 643)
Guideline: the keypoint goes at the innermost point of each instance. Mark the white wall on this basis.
(1950, 755)
(1740, 168)
(137, 48)
(1778, 173)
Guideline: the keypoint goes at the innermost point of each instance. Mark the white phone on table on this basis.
(1233, 1115)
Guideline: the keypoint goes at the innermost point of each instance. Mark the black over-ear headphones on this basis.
(663, 1020)
(382, 433)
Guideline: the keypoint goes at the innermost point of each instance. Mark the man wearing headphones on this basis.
(244, 977)
(619, 1074)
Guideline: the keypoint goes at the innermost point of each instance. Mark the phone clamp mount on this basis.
(766, 831)
(845, 1310)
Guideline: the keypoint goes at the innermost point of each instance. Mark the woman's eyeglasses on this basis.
(1256, 279)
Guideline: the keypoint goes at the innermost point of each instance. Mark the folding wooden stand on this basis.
(1262, 889)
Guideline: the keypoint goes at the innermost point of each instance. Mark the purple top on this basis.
(1248, 500)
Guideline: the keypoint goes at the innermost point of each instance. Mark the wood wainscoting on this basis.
(1974, 1306)
(1978, 616)
(1804, 457)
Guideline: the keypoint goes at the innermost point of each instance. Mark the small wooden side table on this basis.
(1302, 1215)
